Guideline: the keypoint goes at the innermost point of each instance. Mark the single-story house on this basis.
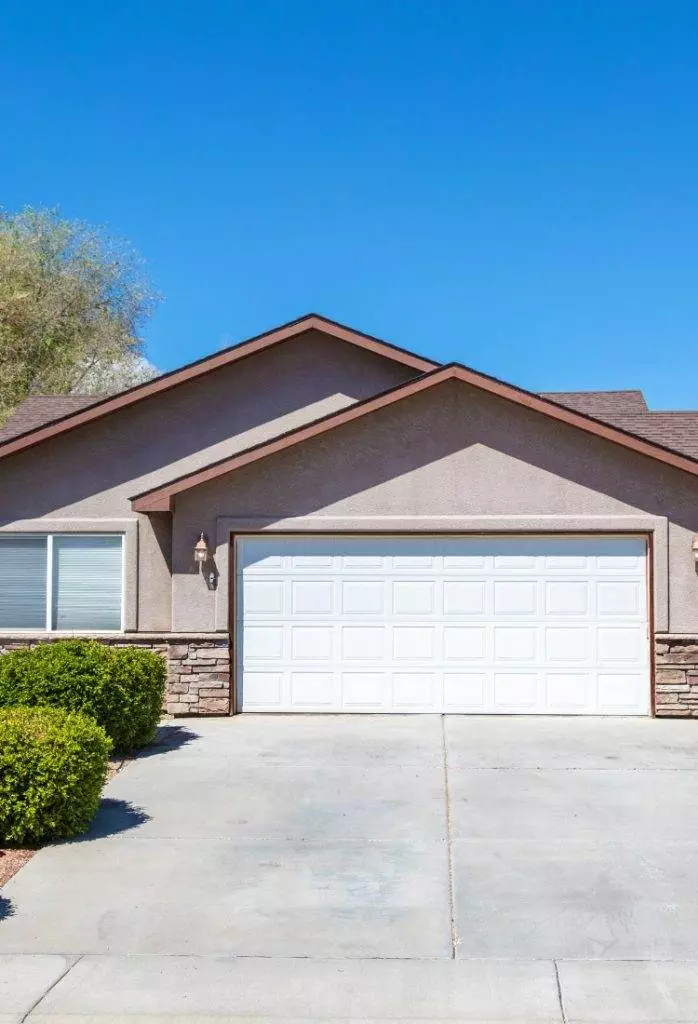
(315, 520)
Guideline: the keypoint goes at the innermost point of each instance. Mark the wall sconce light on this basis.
(694, 549)
(201, 551)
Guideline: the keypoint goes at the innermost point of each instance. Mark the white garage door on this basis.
(505, 625)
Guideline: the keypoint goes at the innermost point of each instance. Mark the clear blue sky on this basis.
(513, 185)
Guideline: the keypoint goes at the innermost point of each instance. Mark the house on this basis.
(315, 520)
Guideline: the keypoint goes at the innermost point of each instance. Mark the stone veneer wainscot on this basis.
(676, 675)
(198, 669)
(198, 665)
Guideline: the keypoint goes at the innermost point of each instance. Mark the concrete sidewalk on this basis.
(155, 990)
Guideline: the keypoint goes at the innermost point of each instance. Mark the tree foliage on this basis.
(72, 302)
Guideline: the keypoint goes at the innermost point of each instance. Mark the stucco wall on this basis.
(449, 458)
(91, 472)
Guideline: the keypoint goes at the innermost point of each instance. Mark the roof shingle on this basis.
(600, 403)
(37, 410)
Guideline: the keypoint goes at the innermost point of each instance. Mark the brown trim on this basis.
(650, 623)
(160, 498)
(241, 534)
(232, 623)
(310, 322)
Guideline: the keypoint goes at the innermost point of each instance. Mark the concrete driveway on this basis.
(539, 846)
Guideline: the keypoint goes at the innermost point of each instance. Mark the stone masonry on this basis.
(676, 676)
(198, 669)
(198, 666)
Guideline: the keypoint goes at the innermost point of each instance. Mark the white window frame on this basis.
(48, 625)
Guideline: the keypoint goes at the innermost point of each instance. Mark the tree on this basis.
(71, 304)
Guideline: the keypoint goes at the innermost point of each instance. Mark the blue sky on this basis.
(508, 183)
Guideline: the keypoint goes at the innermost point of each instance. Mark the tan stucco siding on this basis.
(449, 458)
(91, 472)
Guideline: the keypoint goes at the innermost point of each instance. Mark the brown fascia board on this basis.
(159, 499)
(312, 321)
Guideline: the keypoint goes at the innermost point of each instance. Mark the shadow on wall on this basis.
(499, 449)
(109, 453)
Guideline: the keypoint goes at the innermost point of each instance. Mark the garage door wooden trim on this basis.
(646, 535)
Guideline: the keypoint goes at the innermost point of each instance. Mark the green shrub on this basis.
(52, 768)
(122, 688)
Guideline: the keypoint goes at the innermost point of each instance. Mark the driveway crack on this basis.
(455, 941)
(69, 966)
(563, 1015)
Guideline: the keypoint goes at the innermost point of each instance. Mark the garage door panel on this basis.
(619, 691)
(515, 597)
(263, 690)
(469, 625)
(413, 597)
(568, 644)
(568, 692)
(624, 598)
(567, 597)
(465, 692)
(516, 691)
(365, 691)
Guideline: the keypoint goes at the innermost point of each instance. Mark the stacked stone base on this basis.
(199, 680)
(198, 666)
(676, 676)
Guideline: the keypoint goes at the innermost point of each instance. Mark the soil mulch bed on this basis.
(11, 861)
(14, 858)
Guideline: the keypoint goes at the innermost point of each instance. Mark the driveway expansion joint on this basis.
(455, 942)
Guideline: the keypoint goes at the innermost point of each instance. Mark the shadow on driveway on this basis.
(6, 907)
(168, 737)
(114, 816)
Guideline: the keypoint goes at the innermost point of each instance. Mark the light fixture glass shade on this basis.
(201, 549)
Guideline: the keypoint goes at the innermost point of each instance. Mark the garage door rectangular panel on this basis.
(504, 625)
(465, 692)
(364, 691)
(568, 692)
(568, 645)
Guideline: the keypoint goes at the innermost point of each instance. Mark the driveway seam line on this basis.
(51, 987)
(449, 845)
(560, 1000)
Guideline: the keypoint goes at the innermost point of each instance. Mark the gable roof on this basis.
(159, 499)
(98, 407)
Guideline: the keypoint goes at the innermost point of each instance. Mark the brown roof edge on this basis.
(159, 499)
(295, 328)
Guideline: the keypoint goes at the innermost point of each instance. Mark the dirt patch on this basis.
(115, 765)
(12, 859)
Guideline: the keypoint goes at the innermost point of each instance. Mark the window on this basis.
(61, 582)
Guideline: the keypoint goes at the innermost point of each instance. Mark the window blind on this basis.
(22, 582)
(87, 588)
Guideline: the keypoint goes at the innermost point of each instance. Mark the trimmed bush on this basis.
(122, 688)
(52, 768)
